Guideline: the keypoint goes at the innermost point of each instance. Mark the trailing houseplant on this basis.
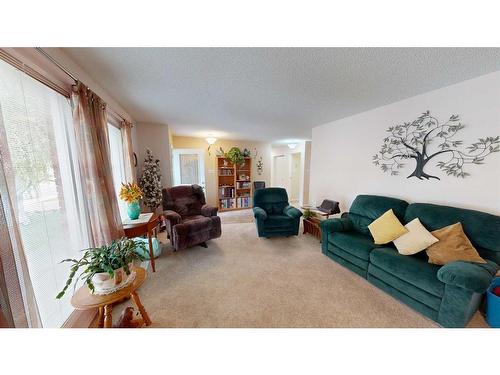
(235, 156)
(119, 255)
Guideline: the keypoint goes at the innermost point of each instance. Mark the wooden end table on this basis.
(83, 299)
(312, 226)
(136, 230)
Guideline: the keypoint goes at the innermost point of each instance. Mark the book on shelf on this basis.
(227, 203)
(244, 202)
(226, 192)
(225, 172)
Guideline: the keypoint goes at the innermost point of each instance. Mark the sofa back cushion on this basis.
(367, 208)
(186, 200)
(482, 229)
(272, 200)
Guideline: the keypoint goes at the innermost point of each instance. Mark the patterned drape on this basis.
(17, 298)
(128, 152)
(91, 130)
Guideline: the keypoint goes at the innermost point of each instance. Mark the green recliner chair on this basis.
(273, 215)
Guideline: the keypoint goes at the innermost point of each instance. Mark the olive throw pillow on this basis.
(386, 228)
(417, 239)
(453, 245)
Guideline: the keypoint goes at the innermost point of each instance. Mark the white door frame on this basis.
(176, 172)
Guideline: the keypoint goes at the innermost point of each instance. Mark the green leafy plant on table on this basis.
(108, 258)
(307, 214)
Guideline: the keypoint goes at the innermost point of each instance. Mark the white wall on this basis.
(342, 168)
(156, 137)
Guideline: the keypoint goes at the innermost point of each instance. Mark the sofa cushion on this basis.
(279, 221)
(354, 243)
(386, 228)
(367, 208)
(453, 245)
(481, 228)
(413, 270)
(417, 239)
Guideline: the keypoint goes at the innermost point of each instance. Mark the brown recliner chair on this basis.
(190, 221)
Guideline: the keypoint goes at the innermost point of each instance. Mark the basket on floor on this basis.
(493, 305)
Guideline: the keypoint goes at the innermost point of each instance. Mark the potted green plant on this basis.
(106, 267)
(307, 214)
(235, 156)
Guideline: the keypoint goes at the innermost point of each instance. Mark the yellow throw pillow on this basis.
(417, 239)
(453, 245)
(386, 228)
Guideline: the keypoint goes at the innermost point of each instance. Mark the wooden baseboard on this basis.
(81, 319)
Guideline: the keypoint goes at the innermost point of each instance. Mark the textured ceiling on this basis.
(271, 94)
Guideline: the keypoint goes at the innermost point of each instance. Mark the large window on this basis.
(117, 164)
(40, 144)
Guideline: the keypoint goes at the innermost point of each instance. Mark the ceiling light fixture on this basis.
(292, 146)
(210, 140)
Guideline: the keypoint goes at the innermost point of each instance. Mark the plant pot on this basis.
(133, 210)
(103, 282)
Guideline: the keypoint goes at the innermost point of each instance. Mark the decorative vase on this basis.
(133, 210)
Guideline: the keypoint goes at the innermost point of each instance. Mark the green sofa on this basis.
(448, 294)
(273, 215)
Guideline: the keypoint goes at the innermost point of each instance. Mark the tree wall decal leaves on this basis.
(425, 139)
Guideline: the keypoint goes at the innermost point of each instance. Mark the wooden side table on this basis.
(312, 226)
(83, 299)
(136, 230)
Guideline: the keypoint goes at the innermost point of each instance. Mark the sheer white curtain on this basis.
(38, 149)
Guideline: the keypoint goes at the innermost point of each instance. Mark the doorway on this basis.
(295, 172)
(188, 166)
(280, 171)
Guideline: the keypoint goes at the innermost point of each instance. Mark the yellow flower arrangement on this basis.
(130, 192)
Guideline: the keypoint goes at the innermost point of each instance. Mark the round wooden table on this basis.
(83, 299)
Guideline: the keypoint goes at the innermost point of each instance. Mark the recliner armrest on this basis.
(207, 210)
(472, 276)
(259, 213)
(173, 217)
(292, 212)
(336, 225)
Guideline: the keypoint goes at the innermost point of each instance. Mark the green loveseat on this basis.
(273, 215)
(448, 294)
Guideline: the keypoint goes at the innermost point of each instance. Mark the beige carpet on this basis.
(241, 280)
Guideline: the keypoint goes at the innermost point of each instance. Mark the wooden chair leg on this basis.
(100, 321)
(108, 317)
(151, 255)
(141, 308)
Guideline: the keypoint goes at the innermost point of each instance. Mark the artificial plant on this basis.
(150, 182)
(235, 156)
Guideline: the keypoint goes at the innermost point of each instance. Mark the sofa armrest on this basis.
(472, 276)
(173, 217)
(292, 212)
(336, 225)
(259, 213)
(207, 210)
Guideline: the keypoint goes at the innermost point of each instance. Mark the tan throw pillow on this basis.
(453, 245)
(386, 228)
(417, 239)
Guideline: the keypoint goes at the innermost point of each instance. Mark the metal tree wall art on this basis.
(414, 140)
